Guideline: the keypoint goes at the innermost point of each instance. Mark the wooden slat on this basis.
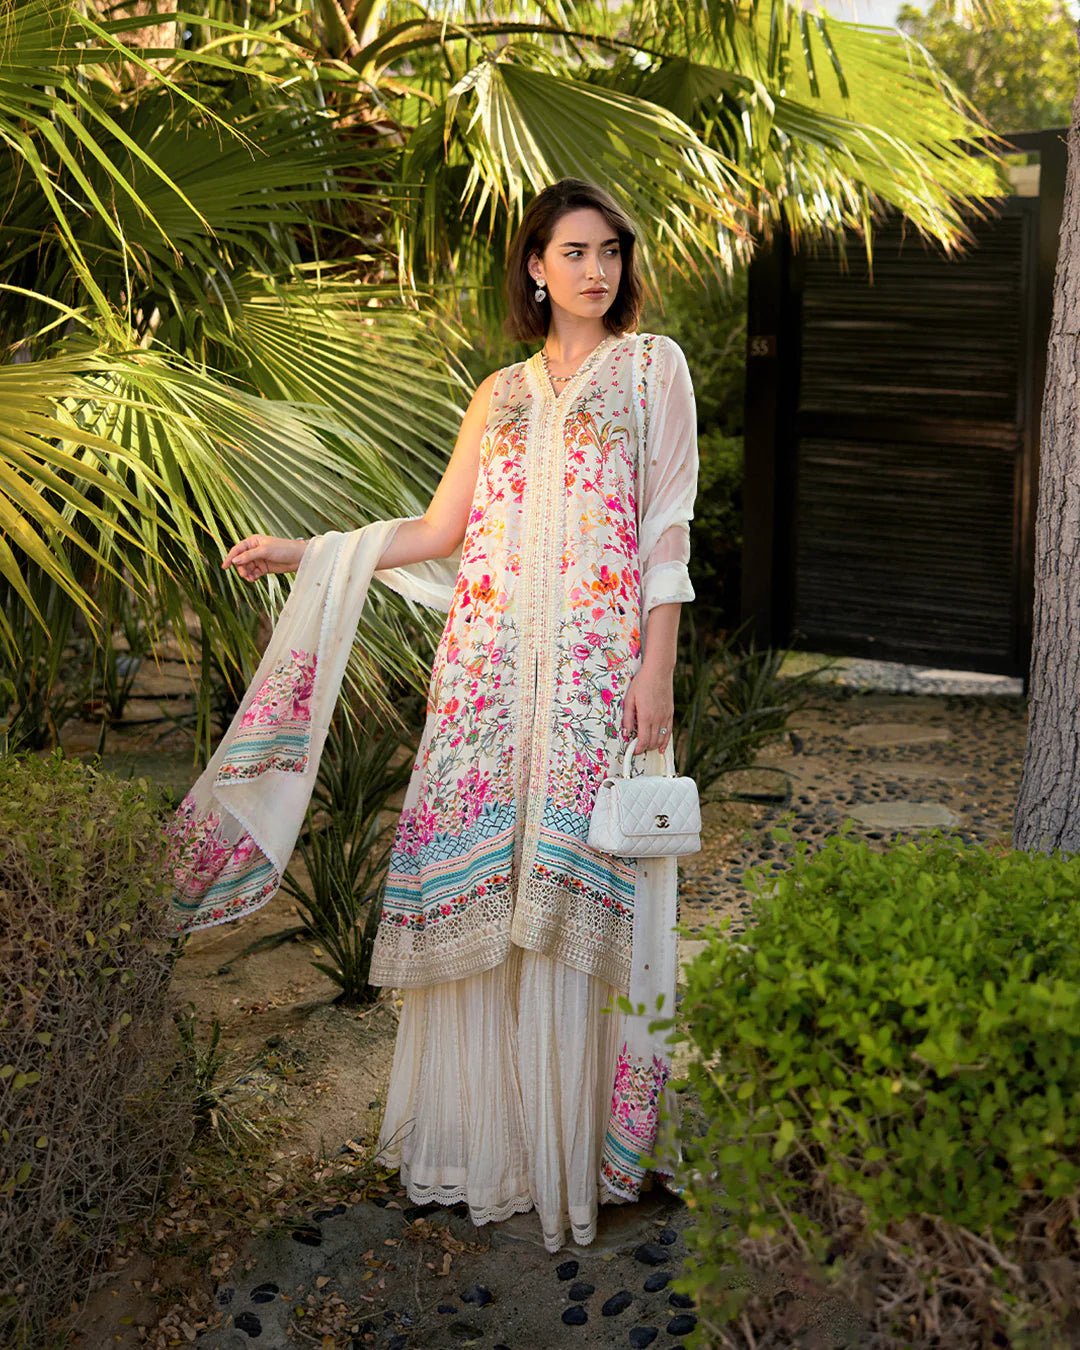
(940, 336)
(909, 427)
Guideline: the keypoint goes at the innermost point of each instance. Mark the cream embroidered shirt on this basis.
(579, 526)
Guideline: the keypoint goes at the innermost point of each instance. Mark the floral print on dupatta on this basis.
(204, 862)
(273, 733)
(633, 1121)
(275, 730)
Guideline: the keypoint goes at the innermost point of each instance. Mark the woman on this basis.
(507, 933)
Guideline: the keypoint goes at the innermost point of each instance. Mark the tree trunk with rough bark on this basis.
(1048, 806)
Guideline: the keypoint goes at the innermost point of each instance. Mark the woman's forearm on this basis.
(662, 637)
(416, 540)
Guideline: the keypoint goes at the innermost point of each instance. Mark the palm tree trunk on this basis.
(1048, 807)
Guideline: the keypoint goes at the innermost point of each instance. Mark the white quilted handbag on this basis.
(648, 816)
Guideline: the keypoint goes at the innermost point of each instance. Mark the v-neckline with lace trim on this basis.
(535, 364)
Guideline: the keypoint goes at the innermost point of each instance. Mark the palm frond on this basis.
(63, 483)
(836, 119)
(502, 131)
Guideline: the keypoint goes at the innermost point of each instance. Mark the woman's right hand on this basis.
(259, 554)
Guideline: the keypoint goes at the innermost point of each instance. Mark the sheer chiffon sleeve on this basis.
(669, 481)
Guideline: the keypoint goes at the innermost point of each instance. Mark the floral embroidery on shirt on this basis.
(524, 705)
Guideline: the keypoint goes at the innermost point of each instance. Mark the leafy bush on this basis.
(40, 687)
(716, 529)
(95, 1104)
(707, 317)
(888, 1063)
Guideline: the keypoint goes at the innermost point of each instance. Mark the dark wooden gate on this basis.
(891, 448)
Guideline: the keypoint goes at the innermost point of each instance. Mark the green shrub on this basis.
(888, 1063)
(707, 317)
(716, 529)
(95, 1101)
(41, 686)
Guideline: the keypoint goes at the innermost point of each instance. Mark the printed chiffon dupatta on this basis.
(233, 834)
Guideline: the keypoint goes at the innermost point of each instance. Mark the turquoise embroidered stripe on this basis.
(580, 860)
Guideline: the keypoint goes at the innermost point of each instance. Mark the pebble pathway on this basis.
(372, 1270)
(874, 756)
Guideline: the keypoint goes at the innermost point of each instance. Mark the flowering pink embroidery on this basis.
(275, 730)
(478, 769)
(633, 1122)
(203, 861)
(285, 694)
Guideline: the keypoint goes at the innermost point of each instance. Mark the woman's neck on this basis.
(569, 344)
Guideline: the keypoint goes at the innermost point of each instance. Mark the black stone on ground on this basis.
(667, 1236)
(310, 1237)
(681, 1301)
(265, 1293)
(567, 1270)
(581, 1290)
(447, 1308)
(479, 1294)
(617, 1303)
(650, 1254)
(640, 1337)
(682, 1325)
(247, 1321)
(575, 1316)
(657, 1281)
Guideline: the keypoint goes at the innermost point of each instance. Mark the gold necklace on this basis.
(580, 364)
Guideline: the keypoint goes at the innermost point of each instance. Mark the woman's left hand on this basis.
(649, 709)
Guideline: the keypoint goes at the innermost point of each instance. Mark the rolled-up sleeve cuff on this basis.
(664, 584)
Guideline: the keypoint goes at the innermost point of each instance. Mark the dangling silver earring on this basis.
(540, 293)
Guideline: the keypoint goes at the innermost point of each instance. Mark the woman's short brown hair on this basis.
(527, 318)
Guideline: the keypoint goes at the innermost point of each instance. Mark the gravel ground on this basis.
(880, 745)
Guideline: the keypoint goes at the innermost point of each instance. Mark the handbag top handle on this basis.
(669, 759)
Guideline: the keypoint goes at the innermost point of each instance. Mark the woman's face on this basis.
(582, 256)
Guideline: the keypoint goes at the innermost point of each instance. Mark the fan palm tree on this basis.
(240, 263)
